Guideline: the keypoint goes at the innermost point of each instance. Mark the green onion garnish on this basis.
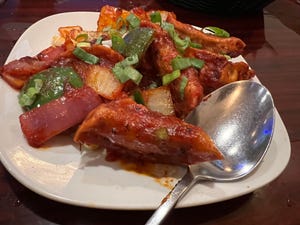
(155, 17)
(198, 63)
(217, 31)
(133, 74)
(133, 21)
(181, 44)
(130, 61)
(83, 44)
(183, 83)
(118, 43)
(162, 133)
(195, 45)
(180, 63)
(85, 56)
(29, 96)
(168, 78)
(124, 71)
(99, 40)
(82, 37)
(138, 97)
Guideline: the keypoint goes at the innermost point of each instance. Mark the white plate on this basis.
(62, 173)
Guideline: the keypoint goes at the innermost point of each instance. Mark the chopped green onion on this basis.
(127, 73)
(162, 133)
(99, 40)
(118, 71)
(28, 97)
(82, 37)
(155, 17)
(217, 31)
(118, 43)
(183, 83)
(138, 97)
(133, 74)
(180, 63)
(83, 44)
(85, 56)
(124, 71)
(168, 27)
(198, 63)
(130, 61)
(168, 78)
(181, 44)
(133, 21)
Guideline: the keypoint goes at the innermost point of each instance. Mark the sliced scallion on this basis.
(183, 83)
(130, 61)
(118, 43)
(82, 37)
(168, 78)
(195, 45)
(133, 74)
(133, 21)
(162, 133)
(181, 44)
(198, 63)
(217, 31)
(85, 56)
(138, 97)
(155, 17)
(83, 44)
(124, 71)
(99, 40)
(29, 96)
(180, 63)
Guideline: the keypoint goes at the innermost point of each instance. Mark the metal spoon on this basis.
(239, 117)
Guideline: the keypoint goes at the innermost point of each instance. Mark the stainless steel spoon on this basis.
(239, 117)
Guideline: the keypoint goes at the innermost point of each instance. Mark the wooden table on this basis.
(273, 50)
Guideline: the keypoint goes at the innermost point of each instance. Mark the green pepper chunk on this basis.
(137, 41)
(47, 85)
(85, 56)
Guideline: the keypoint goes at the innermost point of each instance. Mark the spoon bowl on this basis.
(240, 119)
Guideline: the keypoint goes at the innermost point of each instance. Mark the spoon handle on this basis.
(169, 202)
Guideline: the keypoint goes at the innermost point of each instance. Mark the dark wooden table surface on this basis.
(273, 50)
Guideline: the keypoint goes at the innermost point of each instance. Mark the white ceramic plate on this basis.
(63, 173)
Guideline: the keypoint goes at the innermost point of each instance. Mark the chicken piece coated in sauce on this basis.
(231, 46)
(145, 134)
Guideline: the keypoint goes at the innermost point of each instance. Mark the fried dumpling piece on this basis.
(218, 70)
(231, 46)
(144, 134)
(163, 51)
